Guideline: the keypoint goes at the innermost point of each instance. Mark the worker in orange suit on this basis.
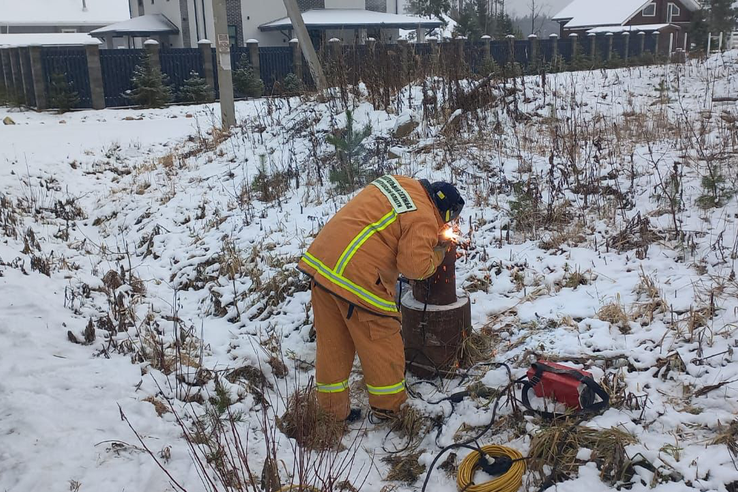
(391, 227)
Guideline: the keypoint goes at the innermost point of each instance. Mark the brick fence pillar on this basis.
(642, 41)
(592, 45)
(532, 49)
(296, 58)
(434, 51)
(511, 48)
(206, 53)
(39, 78)
(487, 47)
(253, 46)
(554, 45)
(404, 48)
(610, 37)
(97, 89)
(152, 49)
(657, 38)
(574, 38)
(626, 37)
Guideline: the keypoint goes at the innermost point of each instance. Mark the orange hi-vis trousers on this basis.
(342, 331)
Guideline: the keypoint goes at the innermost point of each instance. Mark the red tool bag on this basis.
(573, 387)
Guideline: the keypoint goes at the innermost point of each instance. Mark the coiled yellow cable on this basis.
(509, 482)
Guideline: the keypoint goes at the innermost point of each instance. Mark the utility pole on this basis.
(225, 78)
(308, 50)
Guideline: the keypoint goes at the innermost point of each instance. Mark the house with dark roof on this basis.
(266, 21)
(670, 18)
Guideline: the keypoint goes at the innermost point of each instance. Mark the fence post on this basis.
(37, 73)
(253, 46)
(487, 47)
(592, 45)
(435, 52)
(206, 53)
(554, 46)
(334, 45)
(296, 58)
(460, 41)
(626, 36)
(18, 90)
(656, 35)
(533, 49)
(574, 38)
(152, 49)
(97, 89)
(610, 37)
(671, 42)
(7, 73)
(511, 47)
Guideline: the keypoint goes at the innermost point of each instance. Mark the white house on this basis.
(266, 21)
(59, 16)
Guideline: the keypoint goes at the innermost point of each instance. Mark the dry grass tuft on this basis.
(308, 424)
(160, 407)
(557, 447)
(477, 347)
(404, 468)
(729, 436)
(615, 314)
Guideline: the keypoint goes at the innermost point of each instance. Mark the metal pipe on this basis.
(204, 20)
(197, 22)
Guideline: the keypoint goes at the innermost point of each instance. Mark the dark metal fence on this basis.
(117, 71)
(72, 63)
(391, 65)
(178, 64)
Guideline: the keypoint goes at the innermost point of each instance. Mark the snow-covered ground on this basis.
(158, 231)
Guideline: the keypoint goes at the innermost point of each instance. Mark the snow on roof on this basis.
(143, 25)
(62, 12)
(633, 29)
(591, 13)
(352, 19)
(47, 39)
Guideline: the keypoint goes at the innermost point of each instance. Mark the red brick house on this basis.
(671, 18)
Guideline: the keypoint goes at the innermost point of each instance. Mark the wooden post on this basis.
(298, 26)
(720, 43)
(574, 37)
(626, 36)
(206, 53)
(296, 58)
(39, 81)
(225, 68)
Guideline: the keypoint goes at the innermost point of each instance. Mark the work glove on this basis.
(439, 252)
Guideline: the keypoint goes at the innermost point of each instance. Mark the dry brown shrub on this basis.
(308, 424)
(404, 468)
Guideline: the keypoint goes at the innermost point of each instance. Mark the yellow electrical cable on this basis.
(509, 482)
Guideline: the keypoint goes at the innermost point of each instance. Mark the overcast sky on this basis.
(521, 7)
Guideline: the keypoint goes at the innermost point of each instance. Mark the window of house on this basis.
(140, 3)
(233, 34)
(649, 10)
(674, 10)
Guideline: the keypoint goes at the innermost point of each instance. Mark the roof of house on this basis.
(62, 12)
(631, 29)
(593, 13)
(140, 26)
(47, 39)
(352, 19)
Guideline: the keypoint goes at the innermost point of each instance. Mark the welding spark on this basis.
(449, 235)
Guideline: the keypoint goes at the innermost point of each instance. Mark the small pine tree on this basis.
(195, 90)
(349, 174)
(246, 81)
(151, 87)
(292, 84)
(61, 94)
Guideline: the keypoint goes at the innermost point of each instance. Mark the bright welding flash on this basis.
(449, 235)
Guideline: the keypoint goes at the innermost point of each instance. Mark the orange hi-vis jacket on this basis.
(390, 227)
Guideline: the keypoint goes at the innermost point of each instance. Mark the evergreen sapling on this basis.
(246, 81)
(195, 90)
(61, 94)
(151, 87)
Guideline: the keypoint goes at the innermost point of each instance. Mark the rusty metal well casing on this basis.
(434, 334)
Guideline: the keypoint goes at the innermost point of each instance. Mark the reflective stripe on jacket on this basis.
(390, 227)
